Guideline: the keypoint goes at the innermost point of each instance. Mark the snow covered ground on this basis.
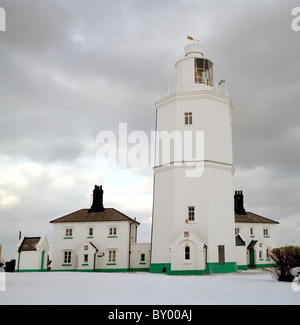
(246, 287)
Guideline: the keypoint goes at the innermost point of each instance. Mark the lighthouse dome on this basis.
(194, 50)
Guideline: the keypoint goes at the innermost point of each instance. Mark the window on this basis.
(69, 232)
(143, 259)
(203, 72)
(188, 118)
(221, 249)
(112, 256)
(67, 257)
(85, 258)
(268, 253)
(266, 232)
(187, 252)
(237, 230)
(251, 232)
(113, 231)
(191, 212)
(260, 254)
(91, 231)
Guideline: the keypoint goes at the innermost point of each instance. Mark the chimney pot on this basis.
(239, 202)
(97, 205)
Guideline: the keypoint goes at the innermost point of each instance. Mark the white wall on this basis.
(163, 210)
(135, 256)
(244, 230)
(28, 260)
(100, 239)
(197, 252)
(263, 242)
(212, 193)
(32, 260)
(241, 255)
(90, 251)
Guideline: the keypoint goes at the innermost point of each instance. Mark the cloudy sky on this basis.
(71, 69)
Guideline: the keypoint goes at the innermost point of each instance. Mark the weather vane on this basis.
(192, 38)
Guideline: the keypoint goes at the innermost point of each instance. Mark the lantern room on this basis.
(203, 71)
(194, 71)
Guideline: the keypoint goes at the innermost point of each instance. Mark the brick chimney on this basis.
(97, 205)
(239, 202)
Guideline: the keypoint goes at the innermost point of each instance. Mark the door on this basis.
(221, 254)
(251, 256)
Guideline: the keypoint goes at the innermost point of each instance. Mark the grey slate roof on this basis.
(250, 217)
(29, 244)
(239, 241)
(83, 215)
(252, 244)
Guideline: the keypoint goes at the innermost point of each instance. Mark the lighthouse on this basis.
(193, 206)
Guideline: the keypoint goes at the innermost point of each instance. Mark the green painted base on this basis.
(105, 270)
(160, 268)
(139, 270)
(31, 270)
(63, 270)
(242, 267)
(92, 270)
(188, 272)
(221, 268)
(257, 266)
(210, 269)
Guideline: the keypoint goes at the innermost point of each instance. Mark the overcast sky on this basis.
(71, 69)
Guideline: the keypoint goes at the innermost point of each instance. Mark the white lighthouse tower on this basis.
(193, 208)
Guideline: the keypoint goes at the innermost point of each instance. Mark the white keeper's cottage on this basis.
(98, 240)
(254, 235)
(32, 254)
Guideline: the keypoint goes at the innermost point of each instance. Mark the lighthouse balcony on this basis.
(204, 86)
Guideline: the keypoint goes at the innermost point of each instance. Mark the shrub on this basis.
(10, 266)
(286, 259)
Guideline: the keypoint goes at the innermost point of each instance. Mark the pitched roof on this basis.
(252, 244)
(250, 217)
(239, 241)
(84, 215)
(29, 244)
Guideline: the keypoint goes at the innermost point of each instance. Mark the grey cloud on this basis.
(70, 69)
